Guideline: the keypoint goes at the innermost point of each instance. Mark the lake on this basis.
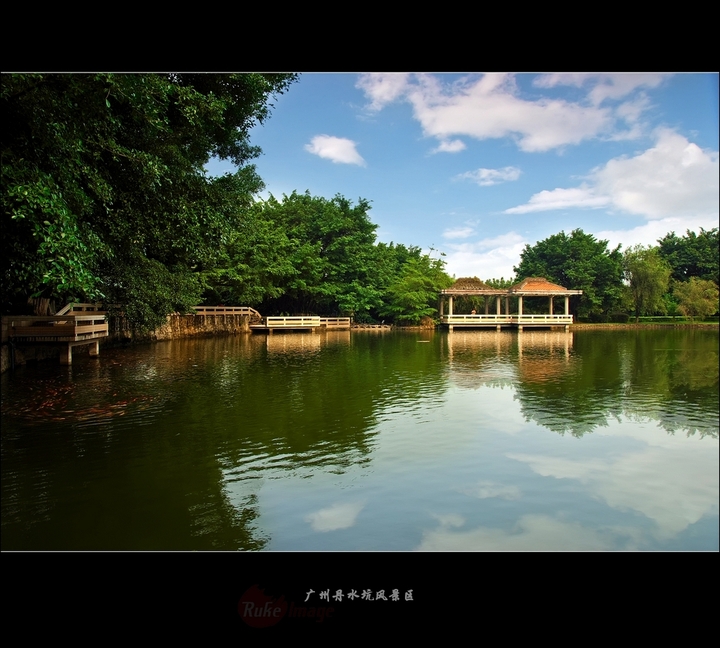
(369, 441)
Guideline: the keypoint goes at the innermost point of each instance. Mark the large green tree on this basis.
(697, 297)
(692, 255)
(413, 295)
(330, 254)
(648, 276)
(578, 262)
(104, 189)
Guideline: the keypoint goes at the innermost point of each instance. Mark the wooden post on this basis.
(551, 304)
(95, 348)
(66, 354)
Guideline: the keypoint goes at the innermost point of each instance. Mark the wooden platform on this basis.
(74, 325)
(270, 324)
(300, 323)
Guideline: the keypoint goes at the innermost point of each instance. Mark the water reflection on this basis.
(473, 440)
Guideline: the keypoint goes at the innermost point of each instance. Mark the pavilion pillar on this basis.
(442, 305)
(551, 305)
(519, 306)
(507, 306)
(567, 305)
(487, 304)
(497, 303)
(450, 306)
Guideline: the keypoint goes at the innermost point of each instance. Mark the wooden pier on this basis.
(300, 323)
(74, 325)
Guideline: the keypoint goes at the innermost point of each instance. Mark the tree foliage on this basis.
(413, 295)
(648, 276)
(104, 187)
(692, 255)
(577, 262)
(309, 254)
(697, 297)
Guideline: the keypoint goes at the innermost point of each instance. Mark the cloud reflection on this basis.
(673, 488)
(338, 516)
(531, 533)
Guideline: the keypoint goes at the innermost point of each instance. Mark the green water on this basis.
(369, 441)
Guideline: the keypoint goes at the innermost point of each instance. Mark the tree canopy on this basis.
(577, 262)
(104, 189)
(309, 254)
(697, 297)
(692, 255)
(648, 276)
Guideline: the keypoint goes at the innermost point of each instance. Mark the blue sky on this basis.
(478, 165)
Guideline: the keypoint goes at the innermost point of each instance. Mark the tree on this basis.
(577, 262)
(698, 297)
(330, 254)
(414, 293)
(648, 276)
(104, 188)
(693, 255)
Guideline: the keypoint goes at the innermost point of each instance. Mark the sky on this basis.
(477, 166)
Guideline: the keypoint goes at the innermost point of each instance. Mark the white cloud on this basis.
(604, 86)
(487, 258)
(338, 516)
(338, 149)
(491, 106)
(382, 89)
(450, 146)
(650, 232)
(583, 196)
(673, 179)
(489, 177)
(458, 232)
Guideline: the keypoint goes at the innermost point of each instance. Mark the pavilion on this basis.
(530, 287)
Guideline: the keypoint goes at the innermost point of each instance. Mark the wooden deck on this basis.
(279, 323)
(74, 325)
(300, 323)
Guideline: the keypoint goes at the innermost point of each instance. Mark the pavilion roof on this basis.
(537, 284)
(532, 286)
(469, 283)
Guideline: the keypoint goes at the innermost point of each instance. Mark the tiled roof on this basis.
(469, 283)
(536, 283)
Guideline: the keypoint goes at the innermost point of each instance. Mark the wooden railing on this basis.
(79, 308)
(226, 310)
(335, 322)
(58, 328)
(290, 322)
(507, 319)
